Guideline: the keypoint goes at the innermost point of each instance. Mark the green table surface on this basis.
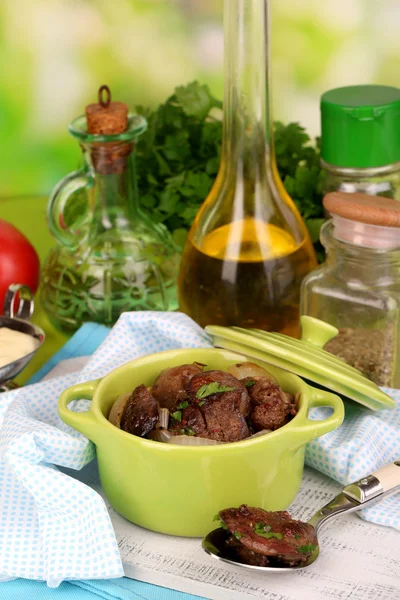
(29, 216)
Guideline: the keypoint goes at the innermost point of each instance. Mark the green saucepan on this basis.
(175, 489)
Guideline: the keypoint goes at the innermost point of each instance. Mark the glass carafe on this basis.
(248, 248)
(110, 257)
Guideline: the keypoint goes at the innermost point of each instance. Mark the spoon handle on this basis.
(360, 494)
(382, 482)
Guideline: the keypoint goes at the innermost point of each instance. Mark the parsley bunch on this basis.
(178, 159)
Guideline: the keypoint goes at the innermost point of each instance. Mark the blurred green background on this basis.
(55, 53)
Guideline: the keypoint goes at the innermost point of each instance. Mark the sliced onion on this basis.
(118, 409)
(163, 418)
(248, 369)
(160, 435)
(163, 435)
(259, 433)
(288, 400)
(191, 440)
(188, 440)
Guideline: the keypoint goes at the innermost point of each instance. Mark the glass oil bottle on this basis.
(248, 249)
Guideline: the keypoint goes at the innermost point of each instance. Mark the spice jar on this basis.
(360, 140)
(357, 289)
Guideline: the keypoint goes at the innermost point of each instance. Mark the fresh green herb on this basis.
(306, 549)
(182, 405)
(297, 536)
(238, 535)
(178, 157)
(177, 415)
(202, 402)
(178, 160)
(250, 382)
(298, 161)
(188, 431)
(265, 532)
(208, 389)
(222, 524)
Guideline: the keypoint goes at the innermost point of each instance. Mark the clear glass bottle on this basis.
(360, 140)
(357, 289)
(248, 248)
(110, 257)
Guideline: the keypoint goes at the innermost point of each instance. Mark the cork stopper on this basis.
(106, 117)
(363, 208)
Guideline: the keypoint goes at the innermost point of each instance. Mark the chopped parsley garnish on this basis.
(297, 536)
(177, 415)
(216, 517)
(265, 532)
(208, 389)
(188, 431)
(238, 535)
(250, 382)
(306, 549)
(184, 404)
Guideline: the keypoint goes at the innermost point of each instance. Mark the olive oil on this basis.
(246, 273)
(248, 249)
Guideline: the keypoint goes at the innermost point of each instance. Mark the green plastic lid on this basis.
(305, 358)
(360, 126)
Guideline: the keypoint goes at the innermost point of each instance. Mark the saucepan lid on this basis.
(304, 357)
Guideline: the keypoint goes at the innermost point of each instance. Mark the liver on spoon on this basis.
(266, 541)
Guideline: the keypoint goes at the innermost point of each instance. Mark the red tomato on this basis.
(19, 262)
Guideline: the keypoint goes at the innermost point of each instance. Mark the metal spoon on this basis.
(355, 496)
(20, 322)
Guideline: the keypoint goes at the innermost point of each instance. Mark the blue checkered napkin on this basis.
(52, 526)
(365, 442)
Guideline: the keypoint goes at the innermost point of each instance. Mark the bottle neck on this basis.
(362, 173)
(114, 194)
(379, 181)
(246, 126)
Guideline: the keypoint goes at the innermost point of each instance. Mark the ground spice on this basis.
(369, 351)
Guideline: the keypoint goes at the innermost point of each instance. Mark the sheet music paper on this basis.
(358, 560)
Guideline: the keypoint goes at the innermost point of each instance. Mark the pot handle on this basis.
(309, 429)
(85, 422)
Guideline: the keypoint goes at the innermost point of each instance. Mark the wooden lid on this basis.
(106, 117)
(363, 208)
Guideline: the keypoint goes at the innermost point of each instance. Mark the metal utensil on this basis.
(355, 496)
(19, 321)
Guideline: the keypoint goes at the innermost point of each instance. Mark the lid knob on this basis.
(316, 332)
